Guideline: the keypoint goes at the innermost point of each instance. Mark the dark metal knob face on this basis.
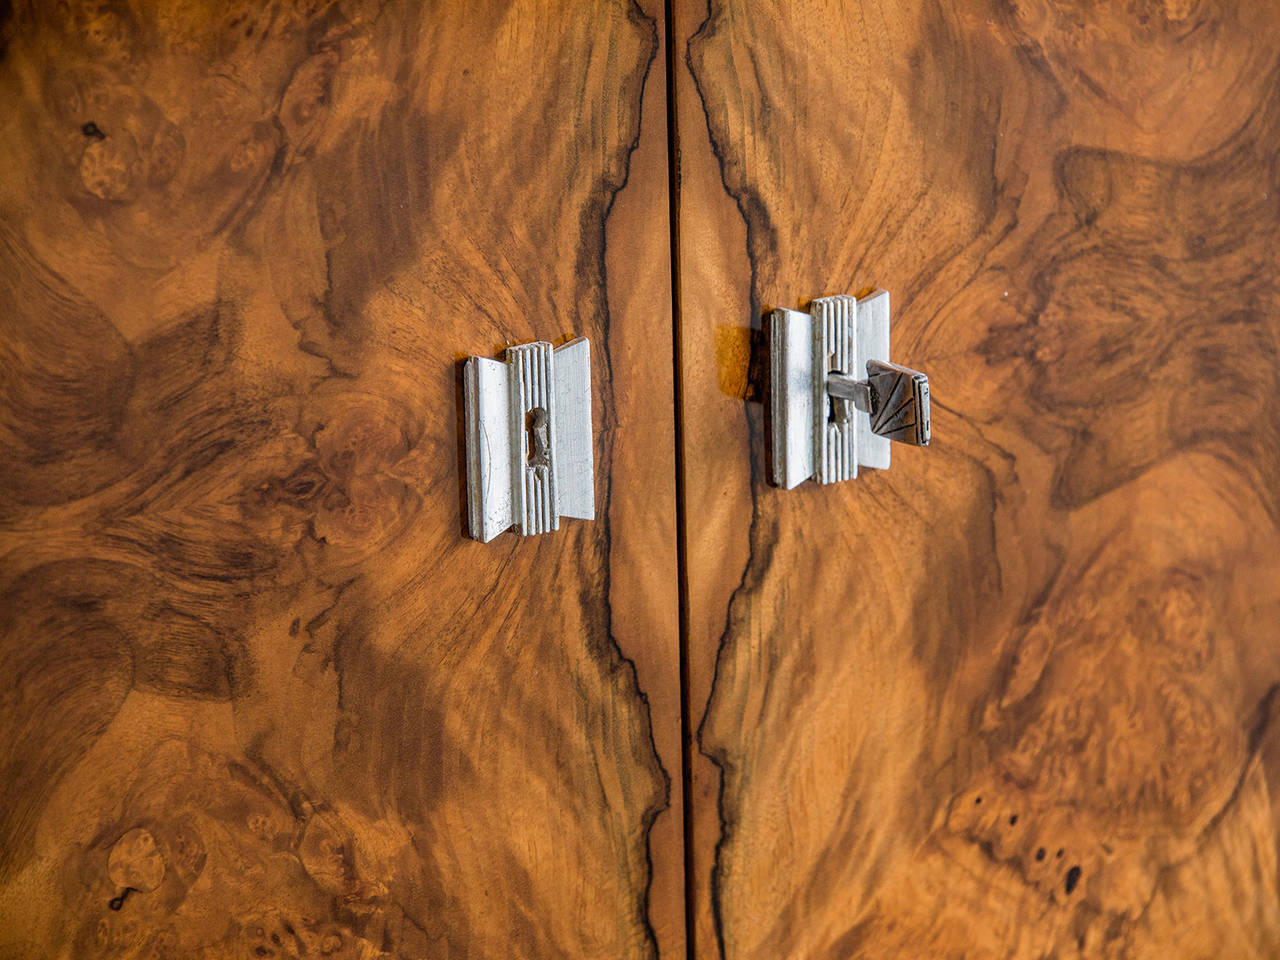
(899, 402)
(895, 397)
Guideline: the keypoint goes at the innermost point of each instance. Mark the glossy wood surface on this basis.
(1014, 697)
(260, 695)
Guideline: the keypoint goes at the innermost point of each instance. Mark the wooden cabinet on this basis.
(254, 670)
(1014, 696)
(261, 696)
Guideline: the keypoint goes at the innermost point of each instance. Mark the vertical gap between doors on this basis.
(682, 558)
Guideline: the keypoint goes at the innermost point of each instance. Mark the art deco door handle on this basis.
(896, 398)
(528, 436)
(829, 419)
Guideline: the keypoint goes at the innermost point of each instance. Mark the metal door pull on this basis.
(528, 436)
(827, 418)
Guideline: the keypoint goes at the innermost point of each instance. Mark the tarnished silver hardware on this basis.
(899, 406)
(895, 397)
(836, 401)
(528, 426)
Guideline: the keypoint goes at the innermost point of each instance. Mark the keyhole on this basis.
(537, 437)
(838, 408)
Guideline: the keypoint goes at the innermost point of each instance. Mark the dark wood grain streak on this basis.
(1013, 697)
(263, 698)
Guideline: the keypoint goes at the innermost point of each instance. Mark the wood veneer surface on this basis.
(1014, 697)
(260, 695)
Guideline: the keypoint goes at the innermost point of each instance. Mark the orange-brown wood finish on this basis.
(1014, 697)
(261, 697)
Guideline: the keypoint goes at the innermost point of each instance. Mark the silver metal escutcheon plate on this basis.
(836, 402)
(529, 446)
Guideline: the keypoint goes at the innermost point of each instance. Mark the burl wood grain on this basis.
(1016, 696)
(260, 695)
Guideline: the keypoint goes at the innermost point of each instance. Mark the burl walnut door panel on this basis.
(261, 696)
(1015, 696)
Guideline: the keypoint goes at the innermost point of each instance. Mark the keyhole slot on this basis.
(537, 437)
(839, 410)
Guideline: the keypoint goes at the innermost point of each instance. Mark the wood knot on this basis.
(135, 865)
(109, 167)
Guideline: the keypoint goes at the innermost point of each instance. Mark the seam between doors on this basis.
(682, 564)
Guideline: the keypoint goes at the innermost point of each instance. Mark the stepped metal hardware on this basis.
(528, 437)
(836, 400)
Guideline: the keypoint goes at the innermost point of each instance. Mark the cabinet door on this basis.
(1013, 697)
(261, 696)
